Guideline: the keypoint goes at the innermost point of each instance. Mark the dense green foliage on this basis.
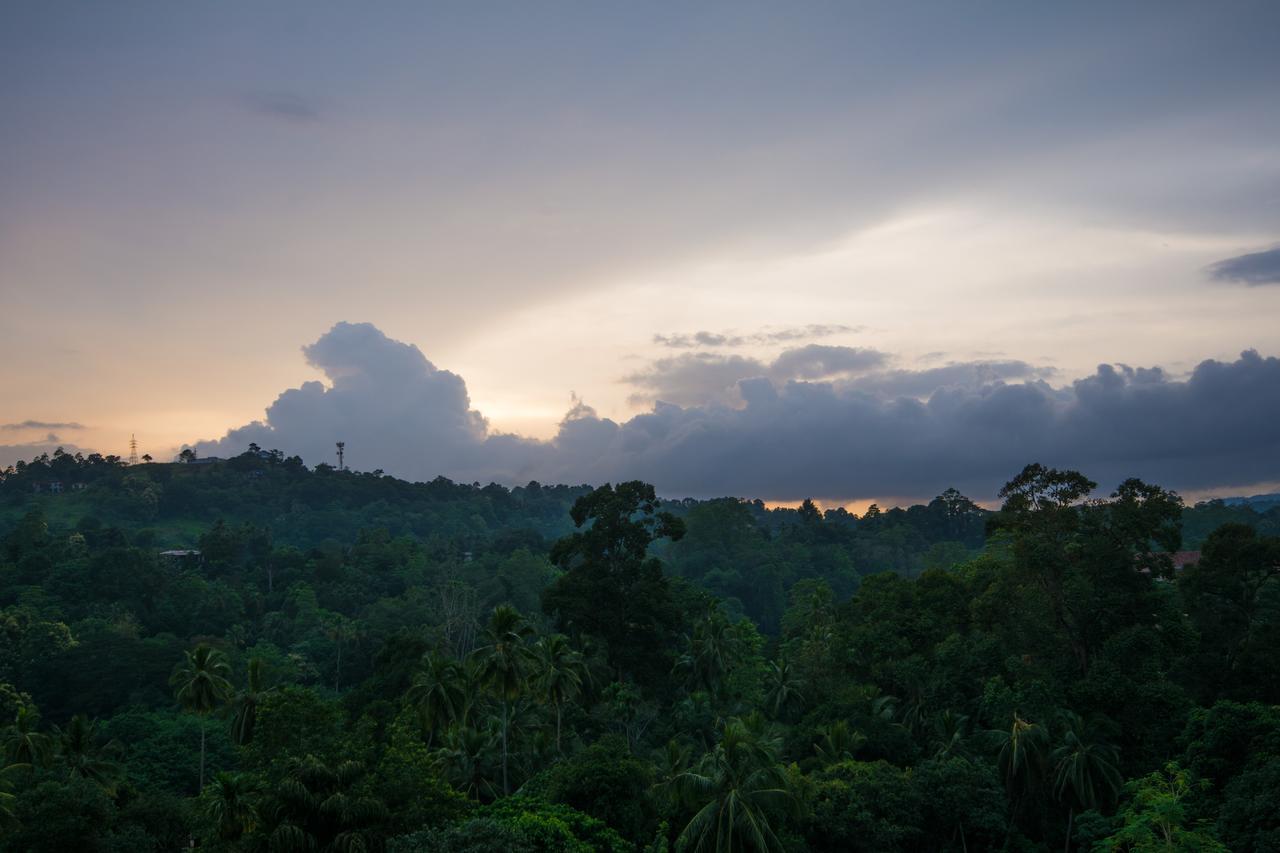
(343, 661)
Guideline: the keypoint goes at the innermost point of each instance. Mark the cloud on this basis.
(700, 377)
(692, 378)
(816, 361)
(45, 425)
(285, 106)
(788, 439)
(11, 454)
(393, 408)
(924, 383)
(692, 340)
(1254, 270)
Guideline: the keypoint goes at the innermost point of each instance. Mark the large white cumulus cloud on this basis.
(894, 432)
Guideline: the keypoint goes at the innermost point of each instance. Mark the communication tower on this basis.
(342, 445)
(133, 449)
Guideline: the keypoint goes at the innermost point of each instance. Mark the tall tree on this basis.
(1085, 767)
(202, 685)
(611, 588)
(505, 664)
(438, 693)
(1022, 757)
(245, 704)
(561, 671)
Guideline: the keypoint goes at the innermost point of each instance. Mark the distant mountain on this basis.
(1261, 503)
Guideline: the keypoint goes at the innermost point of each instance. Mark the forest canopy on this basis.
(251, 654)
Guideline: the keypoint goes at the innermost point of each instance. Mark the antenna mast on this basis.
(133, 449)
(342, 445)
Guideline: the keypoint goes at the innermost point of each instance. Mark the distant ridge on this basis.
(1258, 502)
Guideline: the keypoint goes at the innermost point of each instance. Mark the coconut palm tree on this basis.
(438, 693)
(708, 653)
(739, 791)
(231, 804)
(201, 686)
(79, 750)
(1021, 756)
(948, 734)
(838, 742)
(561, 672)
(1085, 763)
(8, 817)
(505, 663)
(244, 707)
(23, 742)
(781, 687)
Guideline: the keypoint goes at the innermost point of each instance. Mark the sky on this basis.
(853, 251)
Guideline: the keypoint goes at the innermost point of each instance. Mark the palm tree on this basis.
(79, 750)
(948, 734)
(707, 657)
(738, 789)
(201, 686)
(670, 763)
(438, 693)
(560, 673)
(244, 707)
(466, 760)
(781, 687)
(504, 666)
(1087, 764)
(1020, 756)
(839, 742)
(231, 804)
(8, 817)
(23, 743)
(317, 808)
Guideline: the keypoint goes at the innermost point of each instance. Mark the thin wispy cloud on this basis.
(284, 106)
(1253, 270)
(764, 337)
(43, 425)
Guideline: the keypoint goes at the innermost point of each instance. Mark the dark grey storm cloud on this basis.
(694, 340)
(1254, 269)
(791, 439)
(28, 425)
